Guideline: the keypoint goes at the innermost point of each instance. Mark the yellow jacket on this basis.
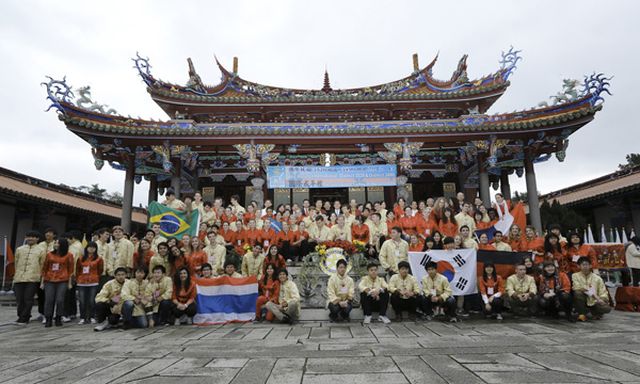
(157, 240)
(110, 290)
(289, 293)
(340, 288)
(337, 233)
(104, 251)
(158, 291)
(368, 283)
(48, 247)
(159, 260)
(592, 283)
(77, 250)
(502, 246)
(440, 284)
(409, 283)
(517, 286)
(252, 265)
(216, 254)
(133, 289)
(376, 230)
(122, 252)
(323, 235)
(28, 263)
(392, 252)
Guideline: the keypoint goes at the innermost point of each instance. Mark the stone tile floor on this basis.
(472, 351)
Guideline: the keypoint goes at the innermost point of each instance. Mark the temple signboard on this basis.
(339, 176)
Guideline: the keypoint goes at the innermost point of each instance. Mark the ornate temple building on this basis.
(220, 139)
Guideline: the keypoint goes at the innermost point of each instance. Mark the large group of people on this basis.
(147, 280)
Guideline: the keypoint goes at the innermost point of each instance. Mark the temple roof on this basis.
(418, 86)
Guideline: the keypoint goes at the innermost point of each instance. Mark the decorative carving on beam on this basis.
(257, 154)
(561, 152)
(98, 162)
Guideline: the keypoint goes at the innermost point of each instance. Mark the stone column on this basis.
(153, 188)
(127, 203)
(483, 179)
(505, 188)
(532, 193)
(175, 176)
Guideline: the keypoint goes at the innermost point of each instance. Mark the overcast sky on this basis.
(289, 43)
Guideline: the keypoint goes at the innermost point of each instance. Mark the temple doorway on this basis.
(330, 194)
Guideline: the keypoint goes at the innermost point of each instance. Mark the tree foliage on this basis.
(633, 160)
(101, 193)
(556, 213)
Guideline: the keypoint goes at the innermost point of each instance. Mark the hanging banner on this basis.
(338, 176)
(458, 266)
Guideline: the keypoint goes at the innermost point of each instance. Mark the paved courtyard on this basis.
(477, 351)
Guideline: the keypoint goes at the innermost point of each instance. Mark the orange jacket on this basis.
(360, 233)
(195, 261)
(497, 285)
(57, 269)
(546, 284)
(183, 296)
(88, 272)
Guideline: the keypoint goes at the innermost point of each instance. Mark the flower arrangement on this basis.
(321, 249)
(247, 247)
(347, 246)
(360, 246)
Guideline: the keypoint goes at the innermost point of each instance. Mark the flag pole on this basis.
(4, 266)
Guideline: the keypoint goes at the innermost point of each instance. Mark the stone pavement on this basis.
(473, 351)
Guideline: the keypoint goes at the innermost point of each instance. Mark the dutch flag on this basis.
(226, 300)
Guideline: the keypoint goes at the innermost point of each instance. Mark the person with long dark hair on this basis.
(555, 253)
(142, 256)
(57, 272)
(184, 296)
(89, 268)
(437, 240)
(554, 291)
(491, 287)
(448, 225)
(176, 260)
(576, 248)
(274, 258)
(269, 290)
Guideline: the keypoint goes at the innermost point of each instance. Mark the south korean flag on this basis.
(457, 265)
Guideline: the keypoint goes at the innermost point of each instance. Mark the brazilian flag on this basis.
(173, 223)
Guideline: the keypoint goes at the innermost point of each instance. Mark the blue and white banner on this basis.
(457, 265)
(226, 300)
(338, 176)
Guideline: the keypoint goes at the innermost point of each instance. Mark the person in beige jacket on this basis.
(374, 295)
(589, 292)
(159, 292)
(28, 261)
(521, 291)
(404, 290)
(288, 308)
(109, 301)
(253, 263)
(632, 256)
(340, 291)
(135, 300)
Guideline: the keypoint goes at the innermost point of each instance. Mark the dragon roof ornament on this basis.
(508, 62)
(58, 91)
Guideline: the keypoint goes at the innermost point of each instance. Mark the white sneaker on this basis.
(93, 321)
(367, 320)
(81, 322)
(44, 320)
(102, 326)
(65, 319)
(498, 317)
(384, 319)
(453, 320)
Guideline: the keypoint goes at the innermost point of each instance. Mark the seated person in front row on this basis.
(207, 272)
(374, 295)
(589, 292)
(184, 297)
(288, 308)
(491, 286)
(109, 302)
(437, 293)
(230, 269)
(404, 291)
(340, 291)
(135, 300)
(521, 292)
(159, 292)
(253, 262)
(269, 291)
(554, 291)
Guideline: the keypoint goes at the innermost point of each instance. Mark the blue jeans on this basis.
(128, 318)
(87, 299)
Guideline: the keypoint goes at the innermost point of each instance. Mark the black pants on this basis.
(497, 306)
(580, 304)
(286, 250)
(336, 311)
(190, 311)
(25, 293)
(41, 300)
(87, 299)
(369, 305)
(449, 305)
(103, 312)
(70, 302)
(560, 302)
(635, 273)
(164, 312)
(54, 294)
(527, 307)
(399, 304)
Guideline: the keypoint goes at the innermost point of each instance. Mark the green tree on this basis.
(556, 213)
(633, 160)
(115, 197)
